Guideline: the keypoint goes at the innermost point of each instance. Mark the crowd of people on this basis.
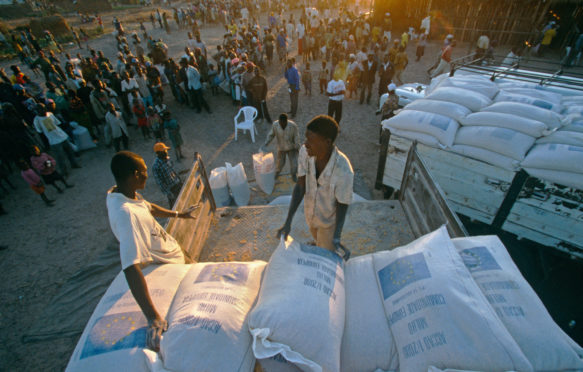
(106, 94)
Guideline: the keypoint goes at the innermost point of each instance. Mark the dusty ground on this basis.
(47, 245)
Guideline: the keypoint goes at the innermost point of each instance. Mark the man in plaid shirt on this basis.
(165, 175)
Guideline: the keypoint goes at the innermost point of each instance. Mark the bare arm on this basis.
(297, 196)
(161, 212)
(139, 288)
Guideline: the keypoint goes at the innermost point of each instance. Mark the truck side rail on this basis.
(191, 233)
(424, 202)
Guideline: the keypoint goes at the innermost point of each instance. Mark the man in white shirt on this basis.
(141, 238)
(288, 143)
(325, 182)
(48, 124)
(335, 93)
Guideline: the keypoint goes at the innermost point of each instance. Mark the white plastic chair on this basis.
(249, 115)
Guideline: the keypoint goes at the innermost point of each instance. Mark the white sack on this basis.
(568, 179)
(277, 363)
(478, 85)
(115, 336)
(367, 343)
(425, 139)
(438, 126)
(536, 93)
(473, 100)
(517, 305)
(238, 184)
(264, 168)
(449, 109)
(505, 96)
(564, 137)
(527, 126)
(437, 313)
(575, 123)
(487, 156)
(550, 118)
(574, 109)
(572, 100)
(554, 156)
(207, 326)
(220, 187)
(503, 141)
(81, 137)
(300, 309)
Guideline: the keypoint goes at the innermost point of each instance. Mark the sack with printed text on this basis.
(207, 324)
(473, 100)
(441, 127)
(550, 118)
(449, 109)
(300, 308)
(264, 168)
(436, 312)
(503, 141)
(505, 96)
(542, 341)
(115, 336)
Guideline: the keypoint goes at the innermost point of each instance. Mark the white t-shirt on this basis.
(301, 30)
(336, 87)
(334, 184)
(141, 238)
(49, 125)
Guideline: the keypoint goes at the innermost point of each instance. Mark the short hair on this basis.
(283, 118)
(124, 164)
(325, 126)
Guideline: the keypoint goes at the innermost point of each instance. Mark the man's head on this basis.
(41, 109)
(129, 170)
(283, 120)
(321, 132)
(161, 150)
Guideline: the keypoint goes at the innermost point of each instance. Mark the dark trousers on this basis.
(262, 111)
(294, 101)
(367, 87)
(199, 101)
(117, 141)
(335, 110)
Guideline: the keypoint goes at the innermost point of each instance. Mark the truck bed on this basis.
(249, 233)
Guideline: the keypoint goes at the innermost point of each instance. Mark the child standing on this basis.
(33, 179)
(171, 125)
(323, 77)
(155, 123)
(140, 111)
(307, 79)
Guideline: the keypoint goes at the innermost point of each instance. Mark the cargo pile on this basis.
(507, 124)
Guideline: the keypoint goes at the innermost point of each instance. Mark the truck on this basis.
(512, 201)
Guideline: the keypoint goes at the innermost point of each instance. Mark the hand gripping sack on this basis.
(441, 127)
(264, 168)
(473, 100)
(526, 126)
(449, 109)
(367, 342)
(556, 157)
(207, 325)
(220, 186)
(503, 141)
(300, 309)
(238, 184)
(504, 96)
(115, 336)
(438, 315)
(550, 118)
(516, 303)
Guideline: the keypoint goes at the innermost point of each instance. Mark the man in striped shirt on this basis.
(165, 175)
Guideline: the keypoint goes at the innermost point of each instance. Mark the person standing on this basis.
(288, 143)
(369, 70)
(401, 62)
(257, 87)
(293, 80)
(142, 240)
(165, 175)
(421, 44)
(118, 128)
(173, 130)
(323, 77)
(386, 72)
(325, 182)
(444, 62)
(335, 93)
(48, 124)
(548, 36)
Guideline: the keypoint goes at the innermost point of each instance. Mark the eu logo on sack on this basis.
(116, 332)
(402, 272)
(479, 259)
(227, 272)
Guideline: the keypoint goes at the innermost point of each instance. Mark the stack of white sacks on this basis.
(510, 125)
